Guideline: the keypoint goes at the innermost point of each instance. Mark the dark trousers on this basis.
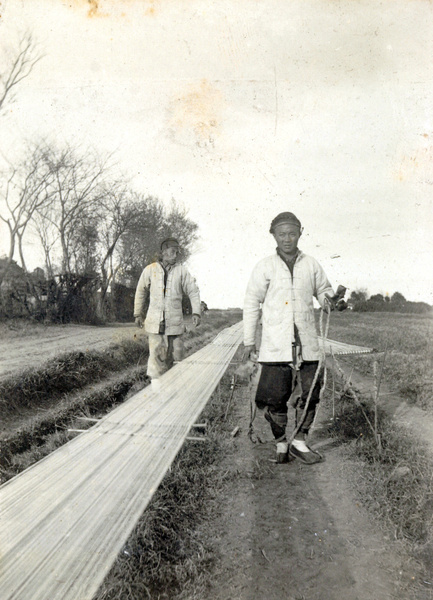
(276, 384)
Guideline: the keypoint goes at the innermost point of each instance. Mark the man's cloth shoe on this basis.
(310, 457)
(282, 452)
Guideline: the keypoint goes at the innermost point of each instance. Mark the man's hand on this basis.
(139, 322)
(341, 304)
(250, 353)
(329, 304)
(336, 301)
(196, 320)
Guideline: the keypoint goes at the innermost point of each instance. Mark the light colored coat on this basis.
(286, 301)
(166, 305)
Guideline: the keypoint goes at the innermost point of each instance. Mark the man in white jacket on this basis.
(161, 286)
(284, 285)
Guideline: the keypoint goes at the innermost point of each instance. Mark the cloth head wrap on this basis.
(285, 217)
(169, 243)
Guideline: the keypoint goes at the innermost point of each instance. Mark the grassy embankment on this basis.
(396, 484)
(39, 405)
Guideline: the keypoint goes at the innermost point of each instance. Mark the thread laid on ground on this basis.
(334, 347)
(66, 518)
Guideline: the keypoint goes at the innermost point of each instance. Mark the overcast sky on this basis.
(242, 109)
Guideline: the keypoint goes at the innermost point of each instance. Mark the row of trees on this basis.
(93, 230)
(360, 301)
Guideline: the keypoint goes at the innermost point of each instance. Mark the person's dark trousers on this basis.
(275, 387)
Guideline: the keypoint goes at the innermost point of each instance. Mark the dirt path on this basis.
(296, 532)
(35, 348)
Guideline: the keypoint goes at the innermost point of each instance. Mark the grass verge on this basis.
(44, 386)
(168, 555)
(408, 340)
(41, 387)
(49, 429)
(38, 406)
(396, 484)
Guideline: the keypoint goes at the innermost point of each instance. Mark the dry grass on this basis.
(395, 484)
(19, 328)
(44, 386)
(38, 405)
(44, 432)
(408, 340)
(167, 556)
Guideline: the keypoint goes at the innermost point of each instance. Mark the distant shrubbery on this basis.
(360, 302)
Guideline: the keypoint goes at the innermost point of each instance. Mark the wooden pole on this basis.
(376, 395)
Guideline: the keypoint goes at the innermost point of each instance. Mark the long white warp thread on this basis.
(65, 519)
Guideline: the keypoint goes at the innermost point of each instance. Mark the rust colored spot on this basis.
(150, 10)
(195, 114)
(93, 7)
(419, 165)
(113, 8)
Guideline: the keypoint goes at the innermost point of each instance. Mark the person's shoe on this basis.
(282, 452)
(299, 449)
(155, 385)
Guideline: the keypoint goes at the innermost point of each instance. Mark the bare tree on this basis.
(20, 64)
(84, 245)
(27, 190)
(181, 227)
(117, 214)
(47, 237)
(140, 244)
(76, 190)
(93, 230)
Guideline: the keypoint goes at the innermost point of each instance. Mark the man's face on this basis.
(169, 255)
(287, 236)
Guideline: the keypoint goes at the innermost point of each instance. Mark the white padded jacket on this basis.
(166, 304)
(285, 301)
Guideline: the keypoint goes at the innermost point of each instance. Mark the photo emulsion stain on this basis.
(195, 115)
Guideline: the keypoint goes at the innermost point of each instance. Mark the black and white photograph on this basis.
(216, 300)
